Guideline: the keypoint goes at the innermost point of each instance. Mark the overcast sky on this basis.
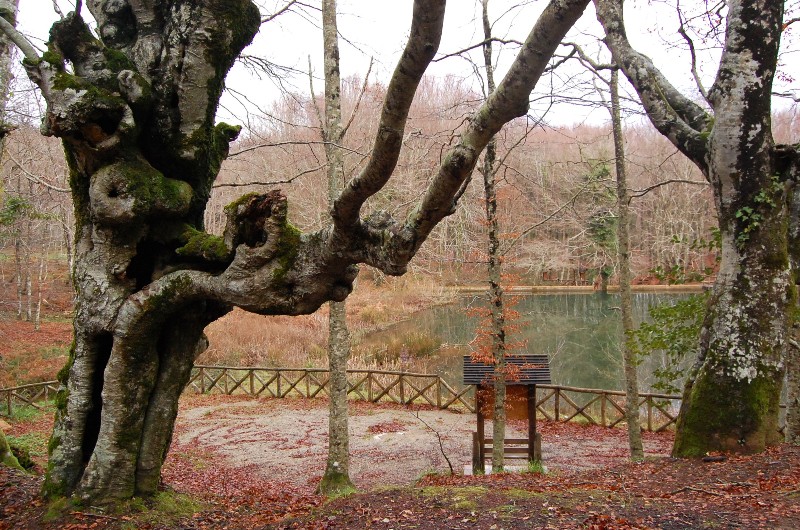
(378, 28)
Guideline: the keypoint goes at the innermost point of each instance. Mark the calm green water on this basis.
(580, 333)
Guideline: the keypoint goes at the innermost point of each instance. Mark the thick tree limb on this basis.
(673, 114)
(19, 40)
(426, 33)
(509, 101)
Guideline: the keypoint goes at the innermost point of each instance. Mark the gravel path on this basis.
(389, 444)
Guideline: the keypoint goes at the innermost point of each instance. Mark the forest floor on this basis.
(239, 463)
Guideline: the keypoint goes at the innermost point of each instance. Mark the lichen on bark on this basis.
(730, 401)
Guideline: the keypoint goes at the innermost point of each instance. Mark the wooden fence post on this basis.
(603, 398)
(532, 456)
(477, 456)
(557, 403)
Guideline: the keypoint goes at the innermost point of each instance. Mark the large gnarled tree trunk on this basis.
(731, 398)
(136, 115)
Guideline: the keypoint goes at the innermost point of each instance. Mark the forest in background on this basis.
(555, 192)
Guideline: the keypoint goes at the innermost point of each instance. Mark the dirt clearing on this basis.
(286, 440)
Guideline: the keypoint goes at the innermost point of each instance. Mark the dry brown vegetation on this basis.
(31, 353)
(555, 205)
(246, 339)
(554, 188)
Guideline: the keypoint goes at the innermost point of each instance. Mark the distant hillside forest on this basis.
(556, 190)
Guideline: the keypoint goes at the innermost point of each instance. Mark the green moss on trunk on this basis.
(7, 458)
(335, 484)
(724, 414)
(199, 244)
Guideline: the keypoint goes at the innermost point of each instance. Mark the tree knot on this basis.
(253, 217)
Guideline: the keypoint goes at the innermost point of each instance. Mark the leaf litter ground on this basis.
(256, 464)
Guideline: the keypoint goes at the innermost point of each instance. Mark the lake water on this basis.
(580, 333)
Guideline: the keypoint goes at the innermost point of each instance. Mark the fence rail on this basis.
(403, 388)
(27, 395)
(553, 402)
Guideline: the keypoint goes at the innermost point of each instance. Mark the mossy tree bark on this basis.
(8, 11)
(7, 458)
(792, 432)
(731, 397)
(336, 478)
(135, 110)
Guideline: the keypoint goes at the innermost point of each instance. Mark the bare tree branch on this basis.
(279, 12)
(19, 40)
(682, 32)
(269, 182)
(673, 114)
(509, 101)
(645, 191)
(35, 178)
(789, 95)
(358, 101)
(58, 11)
(293, 142)
(474, 46)
(426, 32)
(584, 57)
(558, 210)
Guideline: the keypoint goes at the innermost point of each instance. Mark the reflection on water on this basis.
(580, 333)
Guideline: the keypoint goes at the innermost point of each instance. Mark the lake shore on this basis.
(577, 289)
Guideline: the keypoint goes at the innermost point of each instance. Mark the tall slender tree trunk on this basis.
(40, 278)
(28, 269)
(494, 269)
(18, 273)
(626, 302)
(337, 469)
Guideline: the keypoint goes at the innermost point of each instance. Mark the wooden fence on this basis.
(403, 388)
(27, 395)
(553, 402)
